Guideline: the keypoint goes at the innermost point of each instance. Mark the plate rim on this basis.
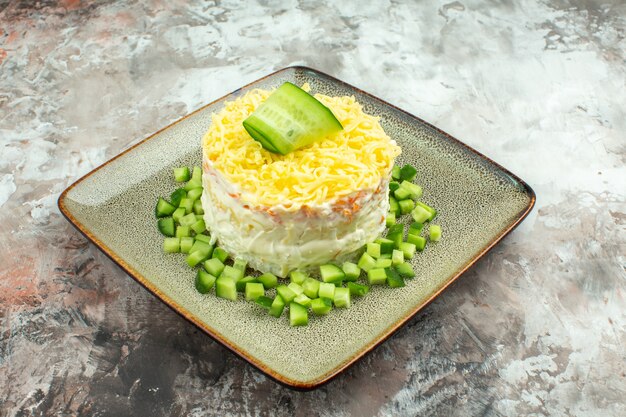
(218, 337)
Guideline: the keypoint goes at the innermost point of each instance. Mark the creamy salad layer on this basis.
(279, 239)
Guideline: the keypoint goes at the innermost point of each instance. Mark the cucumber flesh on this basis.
(331, 273)
(167, 227)
(164, 208)
(321, 306)
(298, 315)
(277, 307)
(204, 281)
(290, 119)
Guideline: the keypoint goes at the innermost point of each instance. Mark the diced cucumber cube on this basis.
(171, 245)
(393, 186)
(321, 306)
(268, 280)
(276, 309)
(187, 204)
(183, 231)
(432, 211)
(226, 287)
(402, 194)
(193, 184)
(298, 316)
(407, 173)
(376, 276)
(204, 281)
(297, 276)
(197, 174)
(342, 297)
(394, 207)
(220, 254)
(164, 208)
(383, 263)
(181, 174)
(311, 287)
(408, 249)
(214, 266)
(188, 219)
(194, 194)
(396, 172)
(397, 257)
(394, 280)
(264, 302)
(166, 226)
(254, 290)
(406, 206)
(434, 232)
(420, 214)
(373, 249)
(358, 290)
(418, 241)
(416, 228)
(386, 245)
(197, 207)
(385, 256)
(302, 299)
(198, 226)
(405, 270)
(185, 243)
(331, 273)
(351, 270)
(232, 273)
(241, 284)
(414, 189)
(203, 238)
(390, 220)
(296, 288)
(177, 196)
(366, 262)
(178, 214)
(286, 293)
(240, 264)
(327, 290)
(194, 258)
(199, 245)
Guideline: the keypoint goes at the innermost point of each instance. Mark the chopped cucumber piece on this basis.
(402, 194)
(254, 290)
(373, 249)
(181, 174)
(268, 280)
(358, 290)
(171, 245)
(187, 204)
(214, 266)
(406, 206)
(393, 186)
(434, 232)
(178, 214)
(193, 184)
(286, 293)
(311, 287)
(386, 245)
(298, 316)
(420, 214)
(177, 196)
(204, 281)
(163, 208)
(327, 290)
(199, 226)
(264, 302)
(429, 209)
(390, 220)
(183, 231)
(331, 273)
(405, 270)
(203, 238)
(194, 194)
(297, 276)
(241, 284)
(416, 228)
(418, 241)
(226, 287)
(302, 299)
(289, 119)
(376, 276)
(414, 189)
(185, 243)
(240, 264)
(188, 219)
(296, 288)
(321, 306)
(383, 263)
(342, 297)
(197, 207)
(408, 249)
(394, 280)
(394, 207)
(197, 174)
(232, 273)
(396, 234)
(407, 173)
(194, 258)
(385, 256)
(199, 245)
(366, 262)
(397, 257)
(220, 254)
(276, 309)
(395, 172)
(351, 271)
(166, 226)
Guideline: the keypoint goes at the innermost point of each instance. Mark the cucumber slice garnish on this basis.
(290, 119)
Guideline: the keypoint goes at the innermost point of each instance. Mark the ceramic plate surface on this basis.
(479, 202)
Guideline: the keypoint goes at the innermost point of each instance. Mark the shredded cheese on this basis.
(353, 160)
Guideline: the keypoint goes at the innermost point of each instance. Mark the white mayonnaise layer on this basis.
(280, 239)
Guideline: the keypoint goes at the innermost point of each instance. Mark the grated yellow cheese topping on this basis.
(355, 159)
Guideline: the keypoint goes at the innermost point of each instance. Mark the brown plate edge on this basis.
(290, 383)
